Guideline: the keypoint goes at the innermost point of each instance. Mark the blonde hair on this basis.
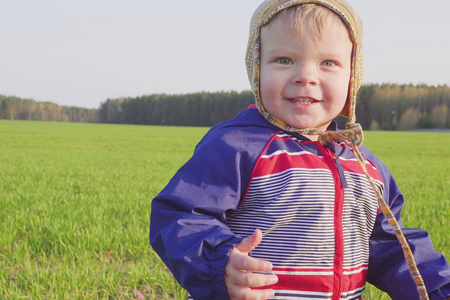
(306, 17)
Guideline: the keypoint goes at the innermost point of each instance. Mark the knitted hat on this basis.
(265, 13)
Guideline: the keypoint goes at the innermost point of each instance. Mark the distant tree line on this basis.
(14, 108)
(403, 107)
(199, 109)
(385, 107)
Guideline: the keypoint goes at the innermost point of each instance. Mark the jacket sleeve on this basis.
(188, 218)
(387, 266)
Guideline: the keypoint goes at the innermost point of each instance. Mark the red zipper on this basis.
(330, 159)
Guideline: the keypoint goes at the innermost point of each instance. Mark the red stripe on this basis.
(338, 231)
(256, 167)
(354, 167)
(339, 236)
(284, 161)
(314, 283)
(354, 281)
(318, 283)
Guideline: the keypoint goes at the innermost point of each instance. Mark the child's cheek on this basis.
(267, 89)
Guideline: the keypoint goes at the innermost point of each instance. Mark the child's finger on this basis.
(252, 280)
(247, 293)
(250, 242)
(248, 263)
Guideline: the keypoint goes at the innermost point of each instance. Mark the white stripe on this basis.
(355, 271)
(355, 294)
(286, 152)
(294, 293)
(301, 273)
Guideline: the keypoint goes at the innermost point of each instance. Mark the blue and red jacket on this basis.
(322, 229)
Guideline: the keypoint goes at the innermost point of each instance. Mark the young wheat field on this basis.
(75, 201)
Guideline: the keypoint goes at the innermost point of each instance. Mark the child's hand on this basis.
(239, 276)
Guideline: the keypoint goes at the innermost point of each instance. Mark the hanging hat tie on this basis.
(352, 133)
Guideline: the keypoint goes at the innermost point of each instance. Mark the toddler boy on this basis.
(271, 205)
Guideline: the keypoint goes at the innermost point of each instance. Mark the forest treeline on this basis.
(14, 108)
(380, 106)
(385, 107)
(199, 109)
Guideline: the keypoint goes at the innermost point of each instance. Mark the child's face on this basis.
(305, 82)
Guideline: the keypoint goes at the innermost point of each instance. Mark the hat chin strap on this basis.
(352, 133)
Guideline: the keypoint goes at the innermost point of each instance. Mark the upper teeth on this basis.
(303, 100)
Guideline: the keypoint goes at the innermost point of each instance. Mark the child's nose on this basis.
(305, 75)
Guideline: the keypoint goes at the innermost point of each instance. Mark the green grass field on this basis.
(75, 202)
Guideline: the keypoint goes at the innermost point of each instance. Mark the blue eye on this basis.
(284, 61)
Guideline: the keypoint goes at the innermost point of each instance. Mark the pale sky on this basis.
(82, 52)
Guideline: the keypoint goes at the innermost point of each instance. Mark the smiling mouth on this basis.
(303, 100)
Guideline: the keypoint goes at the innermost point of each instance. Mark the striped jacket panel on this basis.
(317, 212)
